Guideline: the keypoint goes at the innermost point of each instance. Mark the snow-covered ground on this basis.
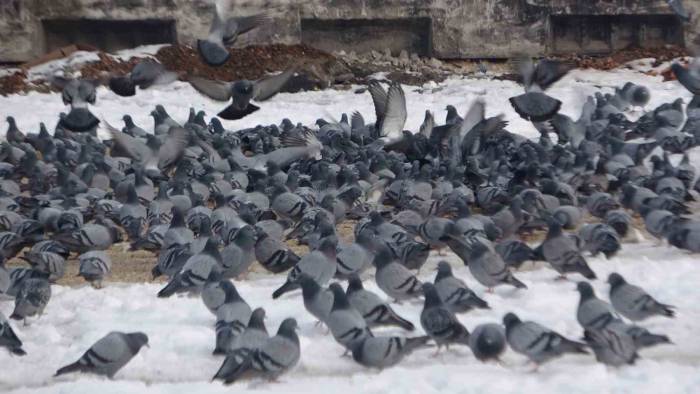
(181, 332)
(181, 329)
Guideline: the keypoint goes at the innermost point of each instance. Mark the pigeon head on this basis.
(136, 340)
(510, 320)
(444, 270)
(615, 280)
(354, 284)
(586, 290)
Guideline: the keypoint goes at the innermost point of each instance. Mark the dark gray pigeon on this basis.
(679, 9)
(145, 74)
(488, 341)
(240, 347)
(489, 269)
(78, 93)
(633, 302)
(561, 251)
(375, 311)
(600, 238)
(33, 296)
(108, 355)
(385, 352)
(456, 295)
(197, 271)
(241, 93)
(537, 342)
(8, 338)
(439, 322)
(320, 265)
(534, 105)
(317, 300)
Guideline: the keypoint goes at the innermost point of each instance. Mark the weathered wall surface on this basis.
(456, 28)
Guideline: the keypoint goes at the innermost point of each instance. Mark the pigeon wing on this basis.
(267, 87)
(395, 115)
(216, 90)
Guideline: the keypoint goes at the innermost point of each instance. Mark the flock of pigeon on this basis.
(210, 202)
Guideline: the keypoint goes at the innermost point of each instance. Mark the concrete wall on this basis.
(458, 28)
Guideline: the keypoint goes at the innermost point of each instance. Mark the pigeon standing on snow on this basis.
(197, 271)
(611, 346)
(454, 292)
(537, 342)
(94, 266)
(252, 338)
(346, 324)
(562, 253)
(319, 265)
(276, 356)
(375, 311)
(218, 293)
(231, 320)
(488, 341)
(317, 300)
(394, 279)
(633, 302)
(489, 269)
(8, 338)
(439, 322)
(33, 296)
(108, 355)
(384, 352)
(592, 312)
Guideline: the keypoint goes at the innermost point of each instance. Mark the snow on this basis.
(140, 51)
(181, 332)
(71, 61)
(181, 329)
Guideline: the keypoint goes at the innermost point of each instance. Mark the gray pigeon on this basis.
(241, 93)
(32, 298)
(273, 254)
(600, 238)
(534, 105)
(394, 279)
(100, 235)
(216, 294)
(537, 342)
(78, 93)
(633, 302)
(679, 9)
(231, 321)
(240, 347)
(385, 352)
(317, 300)
(94, 266)
(439, 322)
(562, 253)
(8, 338)
(488, 341)
(49, 262)
(320, 265)
(108, 355)
(224, 31)
(239, 254)
(592, 312)
(375, 311)
(346, 324)
(197, 271)
(611, 346)
(454, 292)
(354, 258)
(641, 336)
(489, 269)
(145, 74)
(276, 356)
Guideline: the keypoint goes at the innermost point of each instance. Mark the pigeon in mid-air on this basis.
(145, 74)
(224, 31)
(108, 355)
(241, 93)
(679, 9)
(537, 342)
(535, 105)
(633, 302)
(78, 93)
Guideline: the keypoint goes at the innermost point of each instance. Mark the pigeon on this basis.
(536, 342)
(239, 254)
(276, 356)
(240, 347)
(196, 272)
(33, 296)
(633, 302)
(489, 269)
(384, 352)
(108, 355)
(373, 309)
(488, 341)
(600, 238)
(231, 320)
(216, 294)
(641, 336)
(562, 252)
(48, 262)
(94, 266)
(319, 265)
(534, 105)
(224, 32)
(679, 9)
(439, 322)
(593, 313)
(317, 300)
(394, 279)
(78, 93)
(100, 235)
(454, 292)
(241, 93)
(273, 254)
(346, 324)
(8, 338)
(611, 346)
(145, 74)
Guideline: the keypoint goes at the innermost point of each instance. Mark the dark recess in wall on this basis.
(364, 35)
(107, 35)
(603, 34)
